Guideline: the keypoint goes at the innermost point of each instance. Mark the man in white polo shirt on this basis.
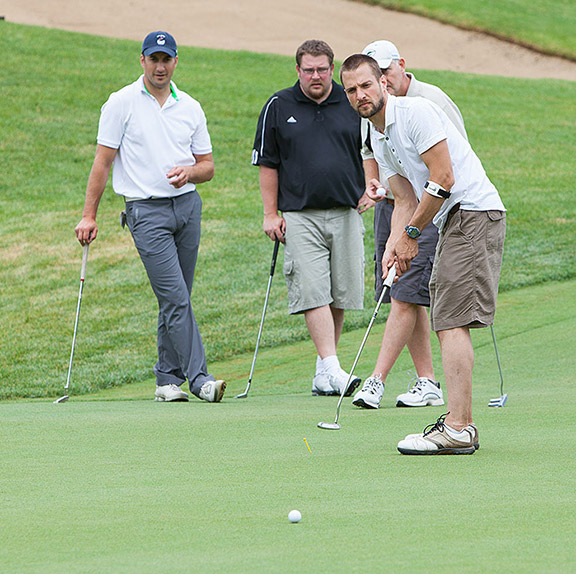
(436, 177)
(407, 323)
(156, 137)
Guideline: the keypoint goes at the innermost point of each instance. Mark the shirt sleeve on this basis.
(265, 150)
(425, 125)
(201, 143)
(111, 124)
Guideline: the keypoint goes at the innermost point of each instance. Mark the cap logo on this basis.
(371, 53)
(160, 39)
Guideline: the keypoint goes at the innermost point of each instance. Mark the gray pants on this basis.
(166, 233)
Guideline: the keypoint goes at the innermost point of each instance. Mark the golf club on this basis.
(387, 284)
(272, 267)
(501, 400)
(66, 396)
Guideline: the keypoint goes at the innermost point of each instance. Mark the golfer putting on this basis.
(436, 178)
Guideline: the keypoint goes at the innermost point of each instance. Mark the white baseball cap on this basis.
(383, 52)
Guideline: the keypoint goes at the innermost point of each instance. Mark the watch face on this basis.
(412, 232)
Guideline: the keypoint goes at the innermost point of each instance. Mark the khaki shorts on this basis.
(324, 259)
(464, 281)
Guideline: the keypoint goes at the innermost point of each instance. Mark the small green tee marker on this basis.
(308, 446)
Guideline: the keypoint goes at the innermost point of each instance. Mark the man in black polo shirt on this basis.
(307, 147)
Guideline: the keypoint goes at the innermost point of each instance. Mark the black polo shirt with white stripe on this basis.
(315, 148)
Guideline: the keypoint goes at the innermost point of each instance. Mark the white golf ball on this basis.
(294, 516)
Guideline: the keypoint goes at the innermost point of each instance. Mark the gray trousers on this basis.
(166, 233)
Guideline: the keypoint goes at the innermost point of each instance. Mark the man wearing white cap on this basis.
(407, 323)
(157, 138)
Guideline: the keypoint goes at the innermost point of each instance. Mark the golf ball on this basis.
(294, 516)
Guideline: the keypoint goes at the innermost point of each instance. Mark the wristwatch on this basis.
(412, 232)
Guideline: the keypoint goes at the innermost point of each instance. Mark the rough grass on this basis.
(546, 26)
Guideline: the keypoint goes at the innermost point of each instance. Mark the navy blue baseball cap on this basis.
(159, 42)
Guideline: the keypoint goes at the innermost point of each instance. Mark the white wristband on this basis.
(436, 190)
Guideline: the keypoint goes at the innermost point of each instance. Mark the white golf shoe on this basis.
(424, 393)
(169, 393)
(339, 380)
(213, 391)
(472, 426)
(439, 439)
(370, 395)
(321, 385)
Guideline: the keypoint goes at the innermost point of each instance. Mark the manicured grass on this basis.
(102, 484)
(522, 130)
(546, 25)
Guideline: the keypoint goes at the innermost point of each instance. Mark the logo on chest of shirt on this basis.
(291, 120)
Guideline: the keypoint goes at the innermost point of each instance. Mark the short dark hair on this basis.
(354, 61)
(314, 48)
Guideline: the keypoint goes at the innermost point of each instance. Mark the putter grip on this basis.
(274, 256)
(84, 261)
(390, 277)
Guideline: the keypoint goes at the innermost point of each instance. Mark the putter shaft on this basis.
(387, 284)
(272, 268)
(66, 396)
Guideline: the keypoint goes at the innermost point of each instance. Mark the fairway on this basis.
(115, 482)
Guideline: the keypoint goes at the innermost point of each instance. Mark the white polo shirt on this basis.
(151, 140)
(413, 126)
(430, 92)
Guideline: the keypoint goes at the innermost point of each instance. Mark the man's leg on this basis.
(397, 333)
(338, 317)
(323, 328)
(419, 344)
(458, 362)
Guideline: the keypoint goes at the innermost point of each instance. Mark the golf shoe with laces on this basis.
(436, 439)
(370, 395)
(339, 380)
(475, 439)
(425, 392)
(212, 391)
(169, 393)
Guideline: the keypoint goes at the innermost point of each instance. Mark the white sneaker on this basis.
(169, 393)
(425, 392)
(370, 395)
(213, 391)
(321, 385)
(471, 425)
(339, 381)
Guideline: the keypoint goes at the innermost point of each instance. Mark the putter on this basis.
(387, 284)
(501, 400)
(272, 267)
(66, 396)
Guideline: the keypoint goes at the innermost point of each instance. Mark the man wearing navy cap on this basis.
(156, 137)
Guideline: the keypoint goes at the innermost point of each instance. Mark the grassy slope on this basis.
(84, 484)
(523, 131)
(546, 25)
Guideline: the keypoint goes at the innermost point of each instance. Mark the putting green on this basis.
(137, 486)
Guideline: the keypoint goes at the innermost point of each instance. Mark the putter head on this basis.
(329, 426)
(499, 402)
(62, 399)
(241, 396)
